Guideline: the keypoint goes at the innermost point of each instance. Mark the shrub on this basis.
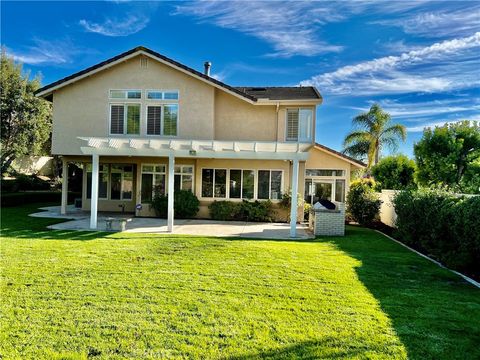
(363, 204)
(185, 205)
(442, 225)
(25, 183)
(224, 210)
(261, 211)
(394, 173)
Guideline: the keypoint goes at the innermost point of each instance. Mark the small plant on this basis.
(185, 204)
(362, 202)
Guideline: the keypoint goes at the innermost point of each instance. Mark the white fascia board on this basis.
(250, 155)
(289, 102)
(340, 157)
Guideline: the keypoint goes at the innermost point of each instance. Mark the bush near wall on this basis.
(259, 211)
(363, 204)
(24, 183)
(30, 197)
(441, 225)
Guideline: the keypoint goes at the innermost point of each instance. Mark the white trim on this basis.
(126, 94)
(163, 91)
(182, 174)
(294, 199)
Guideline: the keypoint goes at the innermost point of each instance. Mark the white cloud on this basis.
(443, 66)
(290, 27)
(128, 25)
(47, 52)
(440, 23)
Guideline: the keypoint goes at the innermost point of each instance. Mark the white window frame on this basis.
(241, 184)
(227, 178)
(153, 173)
(152, 103)
(122, 172)
(88, 169)
(163, 91)
(181, 173)
(329, 178)
(125, 110)
(270, 185)
(298, 130)
(126, 94)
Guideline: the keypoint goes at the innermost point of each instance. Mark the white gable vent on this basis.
(144, 62)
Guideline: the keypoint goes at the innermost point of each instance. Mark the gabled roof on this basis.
(282, 93)
(249, 94)
(351, 160)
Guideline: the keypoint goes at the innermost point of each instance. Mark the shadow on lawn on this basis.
(435, 313)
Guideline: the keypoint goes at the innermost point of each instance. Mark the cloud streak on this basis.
(131, 24)
(290, 28)
(443, 66)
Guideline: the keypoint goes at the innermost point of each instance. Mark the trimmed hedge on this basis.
(441, 225)
(29, 197)
(185, 205)
(258, 211)
(24, 183)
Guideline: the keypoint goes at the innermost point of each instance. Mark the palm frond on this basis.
(358, 150)
(397, 130)
(356, 136)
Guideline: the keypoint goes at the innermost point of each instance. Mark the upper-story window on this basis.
(162, 118)
(125, 94)
(125, 119)
(299, 124)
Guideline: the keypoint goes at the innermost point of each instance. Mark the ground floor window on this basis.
(214, 183)
(326, 189)
(183, 177)
(242, 184)
(102, 181)
(153, 182)
(121, 182)
(269, 184)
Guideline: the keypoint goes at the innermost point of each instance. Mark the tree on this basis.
(449, 156)
(25, 119)
(373, 132)
(394, 172)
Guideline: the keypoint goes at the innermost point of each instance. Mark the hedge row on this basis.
(29, 197)
(261, 211)
(24, 183)
(441, 225)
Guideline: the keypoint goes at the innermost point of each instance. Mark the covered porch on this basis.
(228, 152)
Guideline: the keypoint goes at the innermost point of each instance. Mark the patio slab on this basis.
(80, 220)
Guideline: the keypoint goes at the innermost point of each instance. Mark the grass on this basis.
(79, 295)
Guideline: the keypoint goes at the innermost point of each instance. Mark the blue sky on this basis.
(420, 60)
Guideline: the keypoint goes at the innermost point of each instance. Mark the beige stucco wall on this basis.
(82, 108)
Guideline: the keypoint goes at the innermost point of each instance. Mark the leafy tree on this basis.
(373, 132)
(394, 172)
(25, 119)
(449, 156)
(363, 204)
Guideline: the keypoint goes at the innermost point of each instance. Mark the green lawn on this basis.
(79, 295)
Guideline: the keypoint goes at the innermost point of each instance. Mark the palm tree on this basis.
(373, 132)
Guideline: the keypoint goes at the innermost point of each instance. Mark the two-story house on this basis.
(141, 122)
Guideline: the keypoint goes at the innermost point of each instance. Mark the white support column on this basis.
(294, 205)
(94, 195)
(171, 178)
(63, 207)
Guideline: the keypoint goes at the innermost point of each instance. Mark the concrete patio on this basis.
(80, 220)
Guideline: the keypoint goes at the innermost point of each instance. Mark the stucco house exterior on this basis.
(141, 122)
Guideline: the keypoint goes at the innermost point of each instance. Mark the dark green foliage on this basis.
(441, 225)
(449, 156)
(24, 183)
(25, 118)
(363, 204)
(394, 173)
(260, 211)
(185, 205)
(22, 198)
